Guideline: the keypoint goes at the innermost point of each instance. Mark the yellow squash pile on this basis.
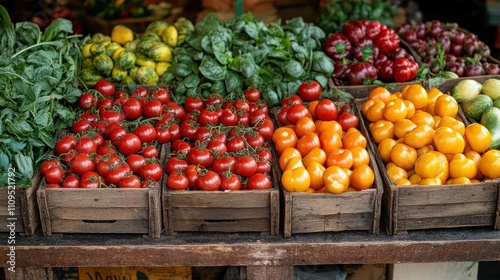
(125, 57)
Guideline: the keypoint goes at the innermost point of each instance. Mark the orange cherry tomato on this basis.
(335, 179)
(284, 137)
(478, 137)
(340, 157)
(382, 129)
(402, 182)
(490, 164)
(294, 163)
(352, 138)
(311, 107)
(417, 95)
(424, 150)
(462, 166)
(329, 140)
(384, 149)
(460, 181)
(403, 156)
(373, 109)
(422, 135)
(446, 105)
(308, 142)
(360, 156)
(422, 117)
(316, 171)
(410, 108)
(402, 126)
(296, 180)
(286, 155)
(428, 165)
(415, 179)
(303, 126)
(448, 141)
(430, 182)
(445, 173)
(330, 125)
(452, 123)
(361, 177)
(380, 93)
(395, 172)
(315, 155)
(395, 110)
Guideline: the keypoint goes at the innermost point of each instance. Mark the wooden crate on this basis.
(361, 91)
(106, 210)
(219, 211)
(431, 207)
(25, 212)
(326, 212)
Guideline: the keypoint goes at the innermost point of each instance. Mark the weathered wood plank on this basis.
(220, 213)
(111, 213)
(483, 192)
(446, 222)
(328, 204)
(446, 210)
(333, 223)
(246, 225)
(95, 198)
(269, 272)
(74, 226)
(237, 199)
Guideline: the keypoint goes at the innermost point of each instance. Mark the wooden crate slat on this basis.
(103, 213)
(220, 213)
(446, 210)
(4, 202)
(447, 194)
(446, 222)
(95, 198)
(327, 204)
(238, 199)
(246, 225)
(358, 222)
(5, 222)
(74, 226)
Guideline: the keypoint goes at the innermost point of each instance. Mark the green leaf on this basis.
(211, 69)
(8, 38)
(58, 26)
(24, 164)
(4, 161)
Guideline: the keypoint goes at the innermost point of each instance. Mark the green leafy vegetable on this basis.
(37, 85)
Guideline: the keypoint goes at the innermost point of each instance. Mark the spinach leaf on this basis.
(211, 69)
(233, 82)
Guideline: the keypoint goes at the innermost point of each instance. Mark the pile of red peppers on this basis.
(367, 51)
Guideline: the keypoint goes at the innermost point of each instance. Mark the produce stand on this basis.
(260, 255)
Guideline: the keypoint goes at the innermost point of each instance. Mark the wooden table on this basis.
(263, 256)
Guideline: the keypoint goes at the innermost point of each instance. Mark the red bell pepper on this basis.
(362, 73)
(337, 46)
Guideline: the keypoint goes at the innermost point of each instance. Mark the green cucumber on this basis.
(475, 107)
(491, 120)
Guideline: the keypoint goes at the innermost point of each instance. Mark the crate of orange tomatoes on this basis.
(330, 181)
(219, 171)
(434, 164)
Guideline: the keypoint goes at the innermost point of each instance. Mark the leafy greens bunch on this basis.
(225, 57)
(38, 71)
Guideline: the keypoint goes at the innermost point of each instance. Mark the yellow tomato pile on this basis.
(422, 142)
(317, 156)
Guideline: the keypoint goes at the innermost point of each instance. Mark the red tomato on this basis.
(218, 146)
(296, 112)
(348, 120)
(105, 87)
(188, 129)
(177, 110)
(202, 134)
(54, 175)
(255, 140)
(177, 182)
(90, 179)
(193, 103)
(213, 99)
(151, 170)
(174, 164)
(245, 166)
(162, 95)
(310, 90)
(135, 161)
(129, 144)
(49, 163)
(266, 129)
(326, 110)
(152, 109)
(230, 182)
(82, 163)
(66, 144)
(87, 101)
(228, 118)
(192, 173)
(210, 181)
(114, 176)
(71, 182)
(259, 181)
(236, 144)
(150, 151)
(252, 94)
(86, 145)
(130, 182)
(200, 156)
(208, 117)
(223, 164)
(132, 109)
(146, 133)
(291, 100)
(163, 134)
(80, 126)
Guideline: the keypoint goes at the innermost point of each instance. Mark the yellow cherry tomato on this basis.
(402, 182)
(296, 180)
(380, 93)
(395, 110)
(403, 156)
(384, 149)
(422, 117)
(395, 172)
(284, 137)
(304, 125)
(419, 137)
(340, 157)
(352, 138)
(490, 164)
(428, 165)
(430, 182)
(452, 123)
(410, 108)
(461, 166)
(335, 179)
(443, 176)
(315, 155)
(478, 137)
(402, 126)
(360, 156)
(448, 141)
(373, 109)
(446, 105)
(308, 142)
(382, 129)
(294, 163)
(286, 155)
(361, 177)
(417, 95)
(330, 140)
(316, 170)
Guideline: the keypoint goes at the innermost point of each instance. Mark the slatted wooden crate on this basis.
(326, 212)
(24, 212)
(431, 207)
(219, 211)
(362, 91)
(106, 210)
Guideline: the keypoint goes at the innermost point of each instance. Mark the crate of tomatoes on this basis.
(219, 174)
(105, 174)
(438, 170)
(329, 179)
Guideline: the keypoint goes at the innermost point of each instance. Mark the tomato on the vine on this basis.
(259, 181)
(252, 94)
(208, 181)
(129, 144)
(105, 87)
(326, 110)
(130, 182)
(348, 120)
(230, 182)
(245, 166)
(90, 180)
(177, 182)
(151, 170)
(310, 90)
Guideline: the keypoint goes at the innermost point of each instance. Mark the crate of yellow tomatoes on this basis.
(438, 169)
(329, 180)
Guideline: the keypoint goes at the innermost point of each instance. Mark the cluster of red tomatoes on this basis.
(224, 145)
(116, 141)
